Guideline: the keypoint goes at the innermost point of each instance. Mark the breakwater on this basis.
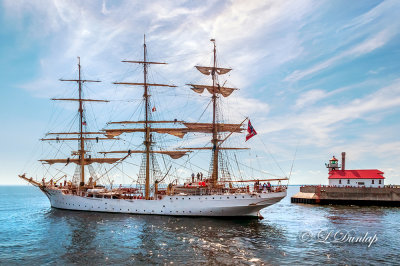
(385, 196)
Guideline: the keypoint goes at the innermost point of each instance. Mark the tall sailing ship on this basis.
(217, 194)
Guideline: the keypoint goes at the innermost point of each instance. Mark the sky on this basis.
(315, 77)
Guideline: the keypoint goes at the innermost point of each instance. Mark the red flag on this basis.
(251, 131)
(154, 109)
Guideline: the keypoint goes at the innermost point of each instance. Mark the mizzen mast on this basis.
(216, 127)
(215, 133)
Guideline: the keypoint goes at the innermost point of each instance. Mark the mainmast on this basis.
(81, 141)
(147, 129)
(147, 140)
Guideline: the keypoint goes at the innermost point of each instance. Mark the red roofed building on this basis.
(368, 178)
(354, 178)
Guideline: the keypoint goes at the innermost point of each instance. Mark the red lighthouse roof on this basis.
(333, 159)
(356, 174)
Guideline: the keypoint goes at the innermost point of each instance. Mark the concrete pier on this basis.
(385, 196)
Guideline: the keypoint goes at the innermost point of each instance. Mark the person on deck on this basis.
(192, 177)
(265, 187)
(198, 176)
(269, 187)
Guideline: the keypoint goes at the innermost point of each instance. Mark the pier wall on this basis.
(387, 196)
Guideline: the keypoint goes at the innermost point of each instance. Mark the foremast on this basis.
(82, 136)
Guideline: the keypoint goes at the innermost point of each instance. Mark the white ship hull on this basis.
(178, 205)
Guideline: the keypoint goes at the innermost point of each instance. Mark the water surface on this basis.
(31, 232)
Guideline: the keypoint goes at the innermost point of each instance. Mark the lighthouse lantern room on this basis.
(333, 164)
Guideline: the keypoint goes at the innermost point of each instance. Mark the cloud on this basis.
(363, 35)
(365, 47)
(310, 97)
(319, 124)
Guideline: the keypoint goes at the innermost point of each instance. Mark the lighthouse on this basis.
(353, 178)
(333, 164)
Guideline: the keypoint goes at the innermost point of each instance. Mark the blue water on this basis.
(31, 232)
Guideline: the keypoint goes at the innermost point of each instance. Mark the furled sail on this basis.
(143, 122)
(222, 90)
(75, 133)
(85, 138)
(177, 132)
(172, 154)
(209, 70)
(82, 100)
(78, 161)
(207, 127)
(210, 148)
